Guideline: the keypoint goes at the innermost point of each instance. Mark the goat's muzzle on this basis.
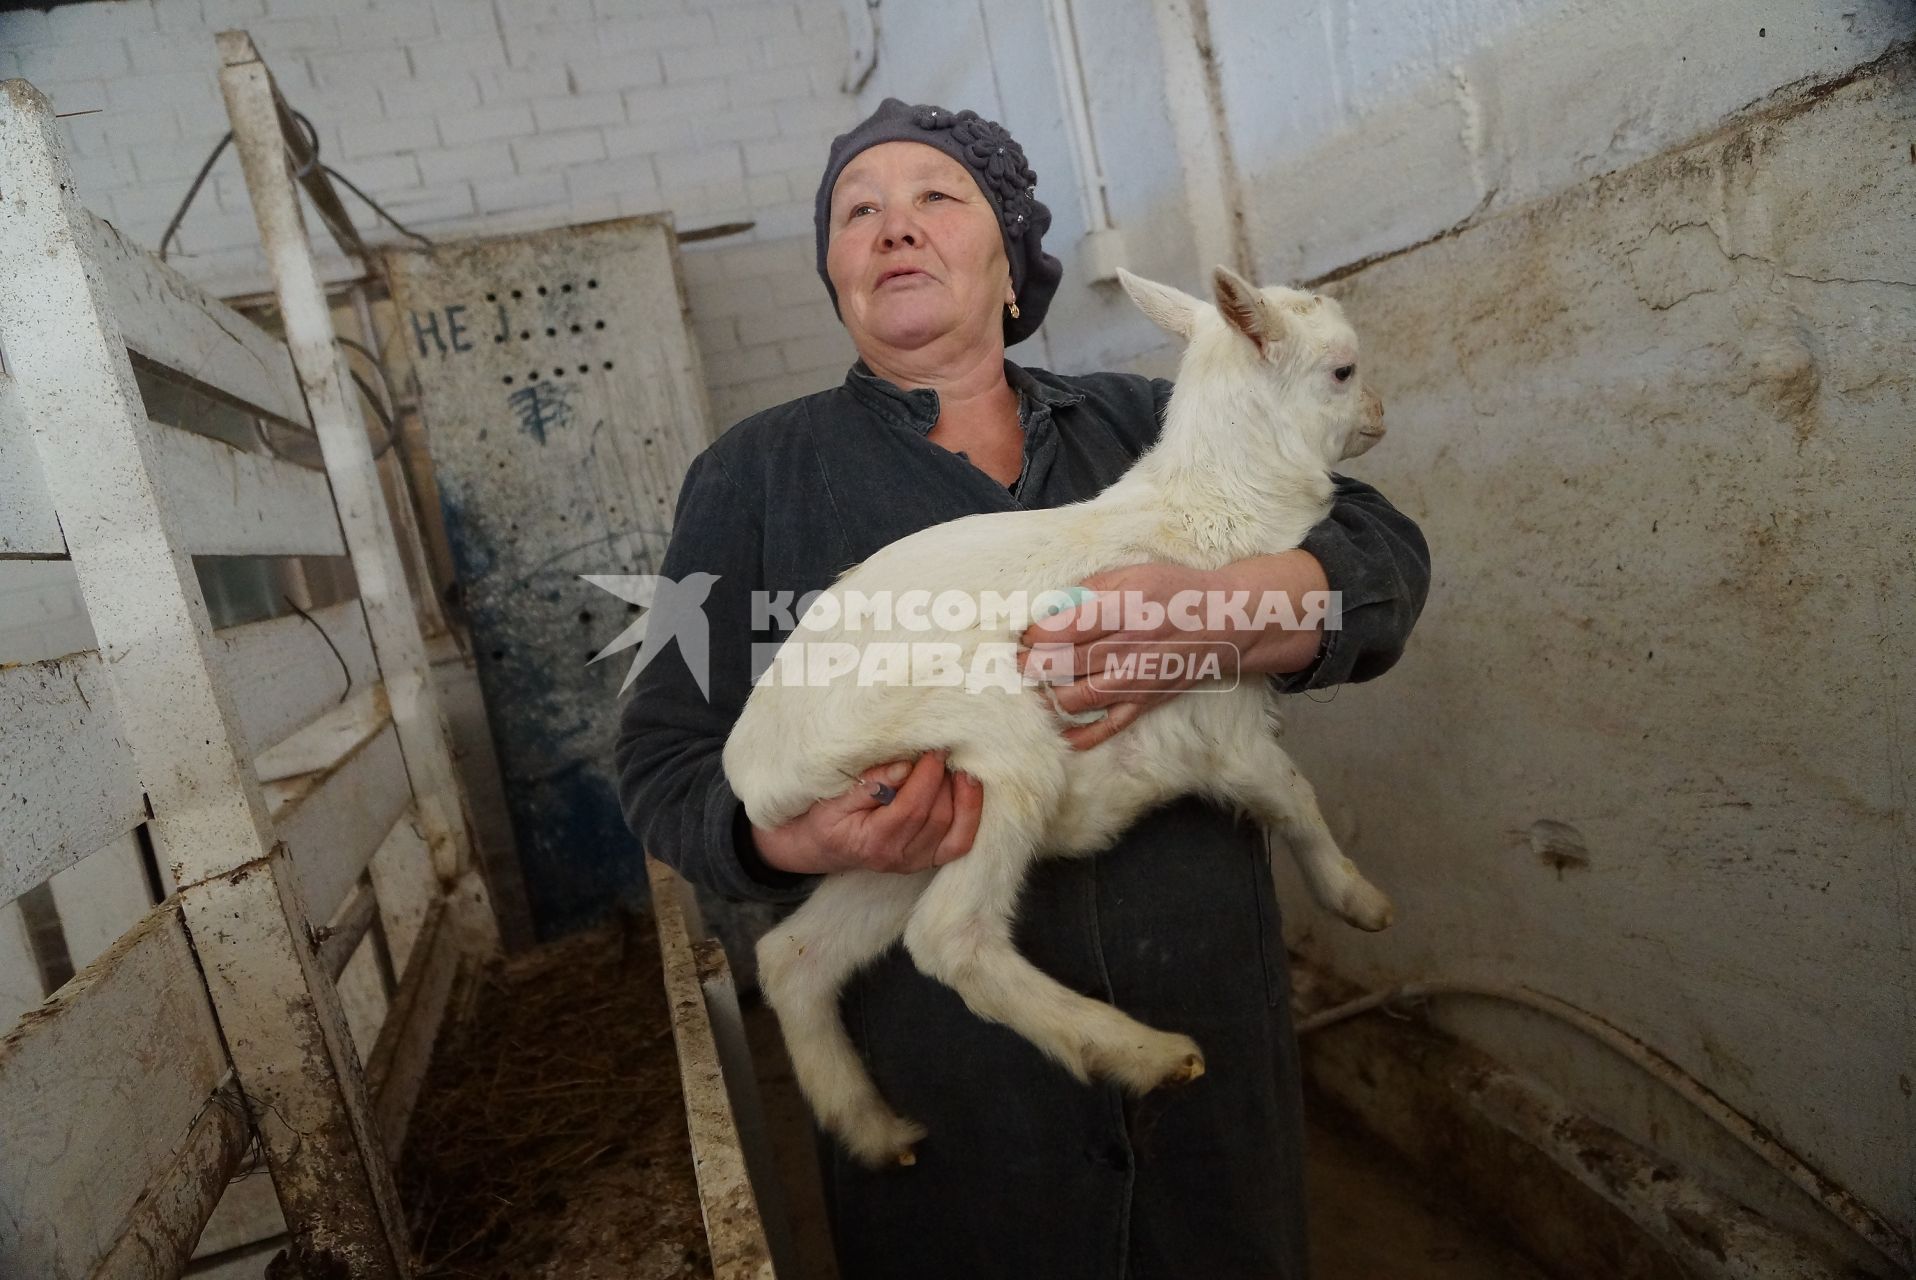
(1370, 426)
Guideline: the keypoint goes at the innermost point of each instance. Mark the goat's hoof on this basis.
(1366, 908)
(884, 1143)
(1188, 1070)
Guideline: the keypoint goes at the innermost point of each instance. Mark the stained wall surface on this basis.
(1649, 751)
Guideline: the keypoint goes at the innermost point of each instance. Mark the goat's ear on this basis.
(1172, 310)
(1242, 305)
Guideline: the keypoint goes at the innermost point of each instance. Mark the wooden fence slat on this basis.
(333, 821)
(171, 321)
(19, 977)
(283, 675)
(248, 1213)
(27, 523)
(227, 502)
(397, 1065)
(67, 781)
(100, 897)
(348, 928)
(239, 893)
(324, 744)
(159, 1239)
(404, 882)
(99, 1088)
(362, 993)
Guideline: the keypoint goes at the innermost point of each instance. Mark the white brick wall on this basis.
(465, 116)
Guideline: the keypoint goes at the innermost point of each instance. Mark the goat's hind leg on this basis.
(960, 934)
(1268, 784)
(804, 963)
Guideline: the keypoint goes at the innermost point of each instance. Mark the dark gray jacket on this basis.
(1026, 1172)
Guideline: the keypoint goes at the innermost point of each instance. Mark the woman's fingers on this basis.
(1083, 737)
(967, 806)
(890, 831)
(877, 787)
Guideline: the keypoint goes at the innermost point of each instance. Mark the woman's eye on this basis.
(858, 209)
(936, 195)
(1343, 372)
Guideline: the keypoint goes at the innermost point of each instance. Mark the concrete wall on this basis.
(489, 115)
(1648, 750)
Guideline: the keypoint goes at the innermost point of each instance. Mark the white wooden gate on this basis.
(290, 775)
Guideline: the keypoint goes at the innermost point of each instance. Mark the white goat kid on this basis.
(1267, 400)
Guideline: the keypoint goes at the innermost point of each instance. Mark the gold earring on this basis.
(1014, 310)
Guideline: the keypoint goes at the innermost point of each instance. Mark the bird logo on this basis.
(675, 610)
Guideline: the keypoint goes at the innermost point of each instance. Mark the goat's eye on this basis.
(1343, 372)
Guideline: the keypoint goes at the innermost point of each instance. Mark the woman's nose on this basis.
(900, 228)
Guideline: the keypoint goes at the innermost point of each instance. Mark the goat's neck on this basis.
(1234, 484)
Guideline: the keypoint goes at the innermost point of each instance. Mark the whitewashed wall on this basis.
(1657, 467)
(494, 115)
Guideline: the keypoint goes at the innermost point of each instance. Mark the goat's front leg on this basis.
(1265, 782)
(960, 934)
(804, 963)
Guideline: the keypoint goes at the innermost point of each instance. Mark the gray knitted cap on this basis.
(996, 163)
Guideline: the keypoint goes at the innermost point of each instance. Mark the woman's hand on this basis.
(931, 818)
(1184, 623)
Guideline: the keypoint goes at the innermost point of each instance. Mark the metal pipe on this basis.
(1840, 1203)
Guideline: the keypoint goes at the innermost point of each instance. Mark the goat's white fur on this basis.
(1242, 469)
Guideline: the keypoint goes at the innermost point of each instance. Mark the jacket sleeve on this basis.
(672, 783)
(1375, 557)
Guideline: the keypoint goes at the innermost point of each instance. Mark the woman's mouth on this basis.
(899, 273)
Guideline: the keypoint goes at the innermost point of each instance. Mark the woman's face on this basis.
(915, 252)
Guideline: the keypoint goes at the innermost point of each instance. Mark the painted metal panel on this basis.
(563, 400)
(67, 780)
(87, 1125)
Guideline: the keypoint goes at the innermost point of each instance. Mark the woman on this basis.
(930, 243)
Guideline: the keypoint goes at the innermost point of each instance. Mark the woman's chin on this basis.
(906, 324)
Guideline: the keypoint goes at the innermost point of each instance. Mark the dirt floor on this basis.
(550, 1144)
(550, 1139)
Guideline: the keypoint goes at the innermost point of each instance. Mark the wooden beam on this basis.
(258, 132)
(239, 892)
(67, 782)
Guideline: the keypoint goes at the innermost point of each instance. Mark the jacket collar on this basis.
(918, 408)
